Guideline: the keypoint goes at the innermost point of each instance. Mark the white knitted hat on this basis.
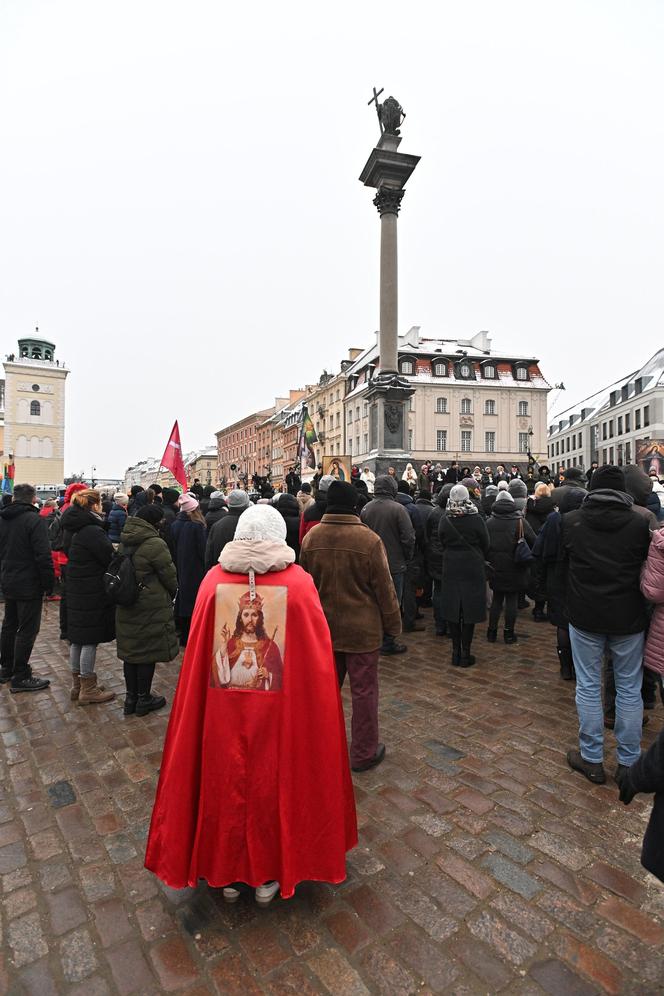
(261, 522)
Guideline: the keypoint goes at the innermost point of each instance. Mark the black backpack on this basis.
(121, 585)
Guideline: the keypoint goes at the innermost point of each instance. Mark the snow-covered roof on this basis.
(650, 375)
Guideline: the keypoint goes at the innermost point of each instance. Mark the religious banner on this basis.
(305, 446)
(249, 637)
(650, 455)
(337, 466)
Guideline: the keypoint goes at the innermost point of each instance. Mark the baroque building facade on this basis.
(470, 403)
(623, 423)
(34, 412)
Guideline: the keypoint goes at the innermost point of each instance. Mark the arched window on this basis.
(47, 354)
(407, 367)
(441, 406)
(34, 446)
(465, 406)
(47, 447)
(523, 408)
(35, 408)
(489, 371)
(439, 368)
(36, 353)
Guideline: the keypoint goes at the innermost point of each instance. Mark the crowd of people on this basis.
(318, 582)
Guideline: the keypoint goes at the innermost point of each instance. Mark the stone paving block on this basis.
(466, 874)
(26, 940)
(479, 959)
(38, 979)
(66, 911)
(61, 794)
(19, 902)
(130, 970)
(173, 965)
(509, 846)
(589, 962)
(617, 881)
(336, 973)
(347, 929)
(511, 875)
(560, 850)
(426, 961)
(77, 955)
(494, 931)
(386, 975)
(519, 913)
(111, 922)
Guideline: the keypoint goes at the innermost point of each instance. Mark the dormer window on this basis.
(465, 370)
(439, 368)
(521, 371)
(407, 367)
(489, 371)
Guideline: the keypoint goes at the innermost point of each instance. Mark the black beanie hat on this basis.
(151, 513)
(608, 477)
(170, 495)
(341, 498)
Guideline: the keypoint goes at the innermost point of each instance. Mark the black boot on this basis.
(509, 636)
(455, 630)
(567, 672)
(491, 635)
(467, 659)
(146, 701)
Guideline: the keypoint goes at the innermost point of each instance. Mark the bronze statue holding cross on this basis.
(390, 113)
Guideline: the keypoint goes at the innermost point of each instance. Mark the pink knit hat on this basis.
(187, 503)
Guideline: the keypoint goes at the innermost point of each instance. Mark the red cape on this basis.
(255, 785)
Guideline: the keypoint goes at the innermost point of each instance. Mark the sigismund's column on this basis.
(387, 171)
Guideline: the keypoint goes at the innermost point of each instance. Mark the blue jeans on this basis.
(627, 653)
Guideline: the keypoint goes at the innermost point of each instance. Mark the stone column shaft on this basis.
(389, 294)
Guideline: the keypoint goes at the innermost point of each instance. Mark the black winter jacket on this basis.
(26, 566)
(190, 540)
(289, 509)
(465, 544)
(502, 526)
(647, 775)
(222, 532)
(390, 520)
(217, 509)
(537, 512)
(604, 545)
(90, 616)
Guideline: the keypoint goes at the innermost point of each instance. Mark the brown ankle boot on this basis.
(75, 686)
(91, 692)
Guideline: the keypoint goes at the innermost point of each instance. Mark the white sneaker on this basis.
(266, 893)
(231, 895)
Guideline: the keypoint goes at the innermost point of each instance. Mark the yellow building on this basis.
(34, 430)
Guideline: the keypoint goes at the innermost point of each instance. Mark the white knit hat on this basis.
(261, 522)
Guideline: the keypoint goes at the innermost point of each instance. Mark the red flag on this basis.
(172, 458)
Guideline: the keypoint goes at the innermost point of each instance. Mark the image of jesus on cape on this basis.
(248, 658)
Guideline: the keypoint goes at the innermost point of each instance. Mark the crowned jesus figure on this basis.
(248, 658)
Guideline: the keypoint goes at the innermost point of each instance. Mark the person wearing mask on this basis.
(254, 786)
(304, 497)
(508, 578)
(390, 520)
(26, 575)
(287, 506)
(90, 615)
(464, 541)
(217, 509)
(315, 512)
(348, 564)
(190, 537)
(223, 531)
(117, 517)
(604, 545)
(146, 629)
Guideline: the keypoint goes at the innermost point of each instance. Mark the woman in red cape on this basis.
(255, 785)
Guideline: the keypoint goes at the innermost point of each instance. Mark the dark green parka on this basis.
(145, 631)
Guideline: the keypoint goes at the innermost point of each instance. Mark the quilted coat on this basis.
(652, 586)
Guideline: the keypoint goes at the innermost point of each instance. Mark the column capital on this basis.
(388, 200)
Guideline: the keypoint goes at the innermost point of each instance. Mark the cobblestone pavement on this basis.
(484, 864)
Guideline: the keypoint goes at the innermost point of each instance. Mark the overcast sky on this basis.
(180, 210)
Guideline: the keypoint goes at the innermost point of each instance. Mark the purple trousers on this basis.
(362, 671)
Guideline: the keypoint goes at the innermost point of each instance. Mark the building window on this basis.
(646, 415)
(441, 406)
(628, 452)
(466, 441)
(490, 442)
(357, 413)
(410, 440)
(558, 449)
(489, 407)
(439, 368)
(637, 418)
(350, 415)
(465, 406)
(441, 440)
(489, 371)
(604, 433)
(611, 429)
(523, 408)
(465, 370)
(620, 425)
(628, 422)
(357, 444)
(407, 367)
(521, 373)
(524, 445)
(35, 408)
(350, 447)
(365, 440)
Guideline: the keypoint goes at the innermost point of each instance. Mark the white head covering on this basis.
(459, 502)
(261, 522)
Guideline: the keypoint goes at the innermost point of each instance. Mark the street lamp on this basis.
(94, 471)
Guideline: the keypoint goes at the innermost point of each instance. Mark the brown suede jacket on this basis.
(348, 564)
